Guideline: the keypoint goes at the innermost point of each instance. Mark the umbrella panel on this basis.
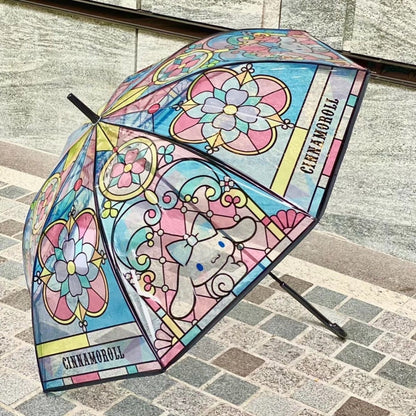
(135, 265)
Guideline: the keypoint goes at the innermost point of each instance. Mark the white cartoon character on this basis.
(206, 257)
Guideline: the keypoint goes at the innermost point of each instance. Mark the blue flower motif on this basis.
(166, 152)
(72, 268)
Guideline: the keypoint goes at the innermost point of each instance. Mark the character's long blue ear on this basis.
(242, 231)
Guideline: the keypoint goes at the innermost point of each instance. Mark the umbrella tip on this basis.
(83, 108)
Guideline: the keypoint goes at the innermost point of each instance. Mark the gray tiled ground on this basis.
(360, 310)
(231, 388)
(312, 394)
(134, 405)
(360, 357)
(324, 297)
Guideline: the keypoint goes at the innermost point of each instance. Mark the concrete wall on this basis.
(45, 55)
(381, 28)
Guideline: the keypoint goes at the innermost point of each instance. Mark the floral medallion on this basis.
(74, 283)
(238, 112)
(129, 170)
(181, 65)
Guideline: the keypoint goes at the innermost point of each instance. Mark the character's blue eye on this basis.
(200, 267)
(221, 244)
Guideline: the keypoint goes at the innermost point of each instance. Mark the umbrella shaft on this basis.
(83, 108)
(333, 327)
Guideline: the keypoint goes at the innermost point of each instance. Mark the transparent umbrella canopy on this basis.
(197, 177)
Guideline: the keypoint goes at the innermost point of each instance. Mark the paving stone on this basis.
(360, 310)
(22, 360)
(309, 412)
(99, 397)
(27, 199)
(360, 383)
(83, 412)
(283, 327)
(13, 192)
(26, 336)
(259, 294)
(11, 227)
(239, 334)
(7, 344)
(360, 357)
(238, 362)
(283, 303)
(207, 348)
(270, 404)
(324, 297)
(277, 378)
(354, 407)
(6, 287)
(11, 269)
(393, 322)
(248, 313)
(399, 373)
(397, 346)
(185, 401)
(320, 341)
(398, 399)
(4, 412)
(45, 404)
(295, 283)
(231, 389)
(311, 394)
(148, 387)
(6, 204)
(13, 387)
(18, 299)
(360, 332)
(193, 371)
(6, 242)
(318, 367)
(15, 320)
(133, 405)
(277, 350)
(226, 410)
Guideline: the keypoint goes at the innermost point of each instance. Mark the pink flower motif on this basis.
(179, 66)
(287, 220)
(165, 340)
(241, 115)
(127, 169)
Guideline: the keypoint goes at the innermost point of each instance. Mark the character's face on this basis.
(208, 257)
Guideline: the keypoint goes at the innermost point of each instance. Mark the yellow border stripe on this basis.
(62, 345)
(172, 326)
(289, 160)
(260, 215)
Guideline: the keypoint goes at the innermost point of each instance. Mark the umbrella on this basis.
(186, 189)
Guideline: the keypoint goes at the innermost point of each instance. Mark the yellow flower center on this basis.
(70, 267)
(128, 167)
(230, 109)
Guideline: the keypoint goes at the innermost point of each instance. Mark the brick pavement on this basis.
(268, 357)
